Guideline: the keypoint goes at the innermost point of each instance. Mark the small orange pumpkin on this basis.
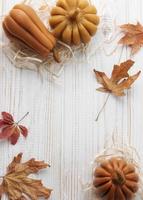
(115, 179)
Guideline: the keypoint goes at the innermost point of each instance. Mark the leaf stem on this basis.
(23, 117)
(102, 108)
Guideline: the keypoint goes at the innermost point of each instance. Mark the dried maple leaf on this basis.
(133, 36)
(10, 129)
(18, 186)
(119, 81)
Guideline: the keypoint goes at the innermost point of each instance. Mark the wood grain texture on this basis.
(62, 124)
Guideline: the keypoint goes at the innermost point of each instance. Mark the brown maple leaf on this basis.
(10, 129)
(18, 186)
(119, 81)
(133, 36)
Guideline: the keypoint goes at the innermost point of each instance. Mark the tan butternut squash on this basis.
(23, 25)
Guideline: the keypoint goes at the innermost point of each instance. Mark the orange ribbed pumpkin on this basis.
(115, 179)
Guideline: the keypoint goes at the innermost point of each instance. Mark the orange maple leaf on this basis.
(18, 186)
(133, 36)
(119, 81)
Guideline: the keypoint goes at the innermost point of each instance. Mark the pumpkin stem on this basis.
(118, 177)
(56, 56)
(73, 14)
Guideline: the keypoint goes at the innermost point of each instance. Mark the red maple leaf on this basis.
(10, 129)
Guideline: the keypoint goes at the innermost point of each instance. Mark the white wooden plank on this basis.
(62, 125)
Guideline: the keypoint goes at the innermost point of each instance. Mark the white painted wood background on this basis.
(62, 127)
